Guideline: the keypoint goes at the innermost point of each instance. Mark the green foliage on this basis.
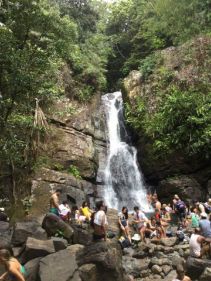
(182, 122)
(37, 38)
(137, 28)
(148, 65)
(73, 170)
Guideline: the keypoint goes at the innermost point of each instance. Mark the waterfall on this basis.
(124, 183)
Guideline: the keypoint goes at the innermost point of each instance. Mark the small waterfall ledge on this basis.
(124, 182)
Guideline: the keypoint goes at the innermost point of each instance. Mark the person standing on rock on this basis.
(14, 270)
(140, 219)
(100, 222)
(54, 202)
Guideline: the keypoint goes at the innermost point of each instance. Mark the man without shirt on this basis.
(54, 202)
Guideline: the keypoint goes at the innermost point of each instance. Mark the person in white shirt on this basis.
(195, 243)
(140, 220)
(64, 211)
(100, 222)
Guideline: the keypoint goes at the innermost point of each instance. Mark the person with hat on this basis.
(205, 225)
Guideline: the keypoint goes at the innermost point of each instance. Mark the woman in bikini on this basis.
(14, 270)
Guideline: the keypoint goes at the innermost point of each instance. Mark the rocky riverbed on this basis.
(74, 257)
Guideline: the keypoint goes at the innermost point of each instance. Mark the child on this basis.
(13, 268)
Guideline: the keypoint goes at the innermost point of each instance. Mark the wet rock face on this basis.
(182, 185)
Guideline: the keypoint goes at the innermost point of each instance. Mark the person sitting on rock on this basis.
(54, 202)
(64, 211)
(79, 217)
(123, 222)
(86, 211)
(181, 274)
(100, 222)
(199, 245)
(14, 270)
(205, 225)
(194, 218)
(140, 219)
(165, 215)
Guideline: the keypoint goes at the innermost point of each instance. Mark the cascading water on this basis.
(124, 184)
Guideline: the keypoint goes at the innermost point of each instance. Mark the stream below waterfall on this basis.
(124, 182)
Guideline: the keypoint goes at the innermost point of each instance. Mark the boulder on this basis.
(17, 251)
(59, 243)
(182, 185)
(32, 268)
(206, 275)
(53, 224)
(36, 248)
(112, 216)
(4, 226)
(160, 261)
(168, 242)
(61, 265)
(195, 267)
(134, 266)
(88, 272)
(81, 236)
(156, 269)
(166, 269)
(23, 230)
(106, 257)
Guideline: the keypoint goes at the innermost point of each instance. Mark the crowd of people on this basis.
(194, 225)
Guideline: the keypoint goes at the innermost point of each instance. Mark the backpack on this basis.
(124, 242)
(180, 206)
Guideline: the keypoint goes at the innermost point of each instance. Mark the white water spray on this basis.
(124, 184)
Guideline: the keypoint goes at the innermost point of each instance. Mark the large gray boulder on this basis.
(59, 243)
(134, 266)
(32, 268)
(36, 248)
(195, 267)
(88, 272)
(53, 224)
(81, 236)
(26, 229)
(185, 186)
(106, 257)
(61, 265)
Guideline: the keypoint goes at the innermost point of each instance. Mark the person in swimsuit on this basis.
(54, 202)
(14, 270)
